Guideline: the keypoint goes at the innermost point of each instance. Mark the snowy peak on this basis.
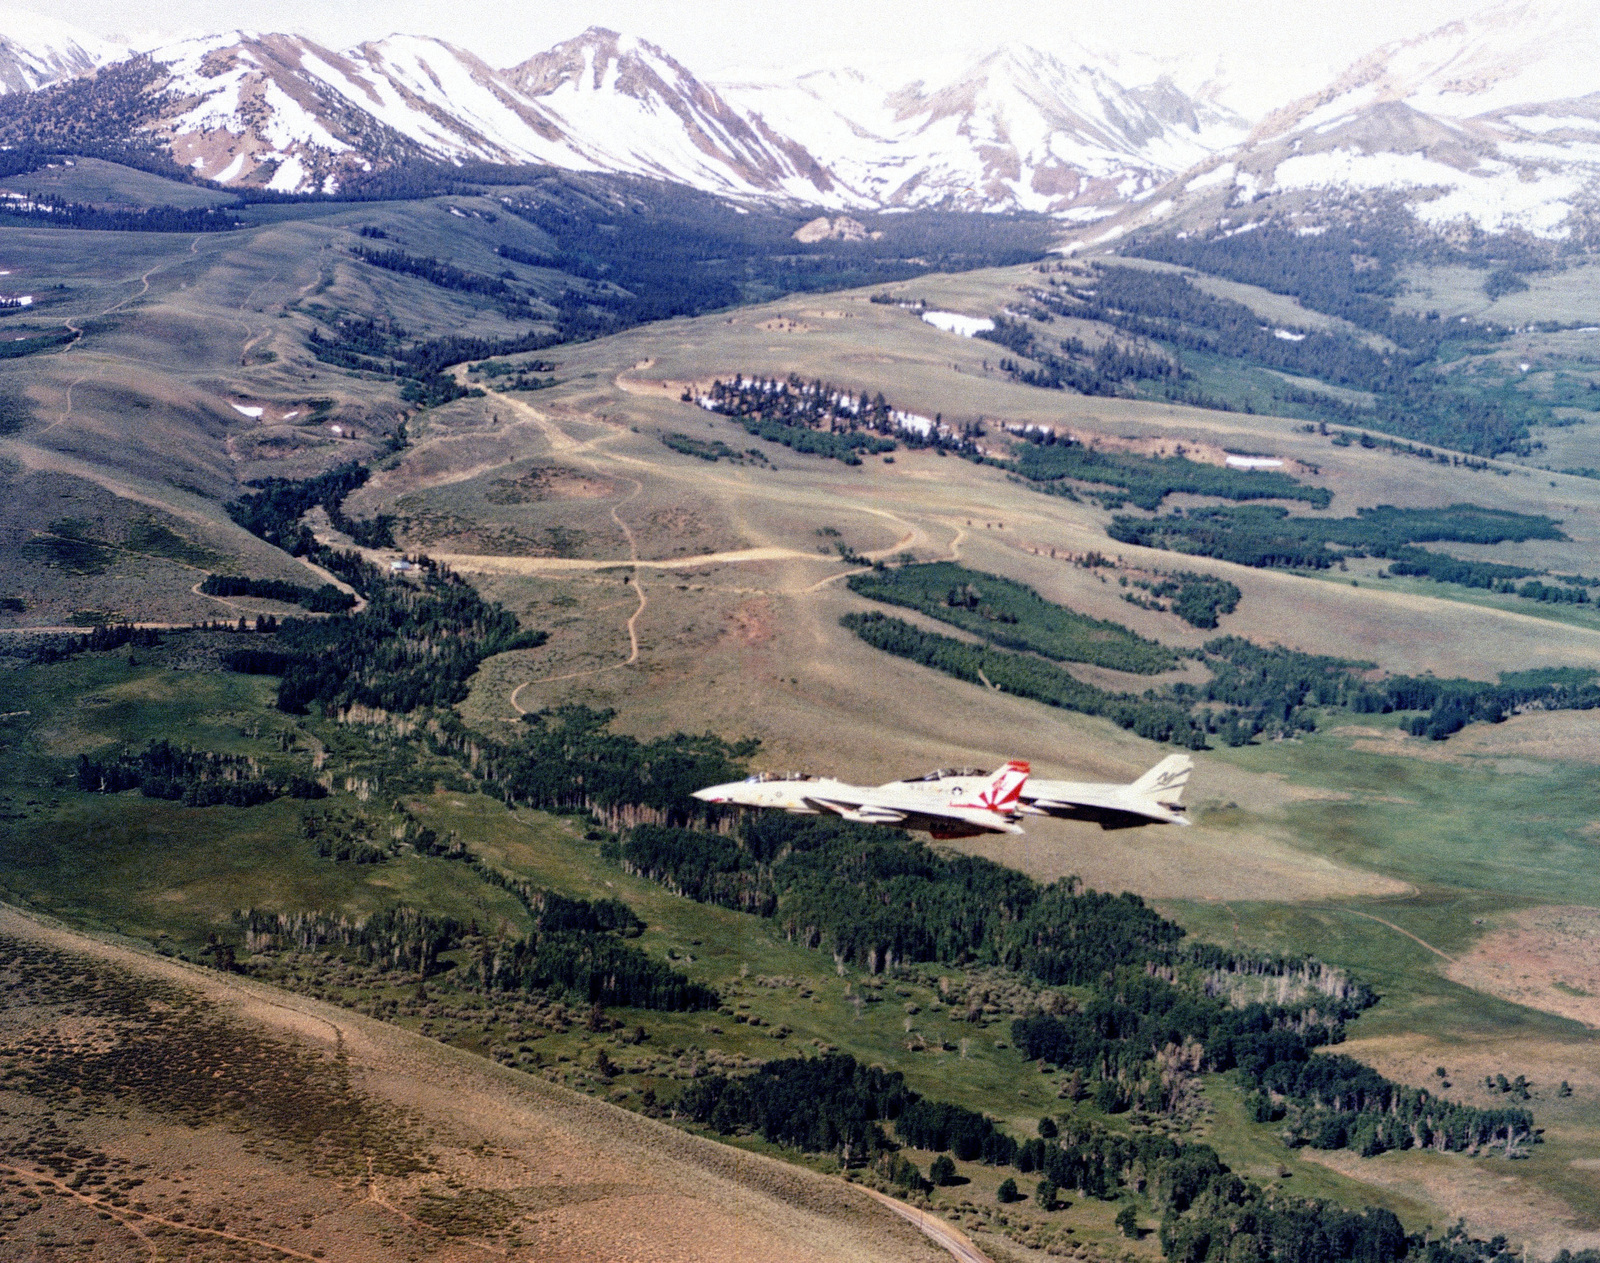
(626, 105)
(1517, 53)
(595, 61)
(282, 111)
(36, 51)
(1491, 120)
(1489, 123)
(1016, 129)
(1522, 53)
(273, 110)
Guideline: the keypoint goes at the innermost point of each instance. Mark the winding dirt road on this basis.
(936, 1229)
(632, 624)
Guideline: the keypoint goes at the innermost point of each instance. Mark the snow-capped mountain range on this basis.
(1017, 129)
(1489, 122)
(1493, 120)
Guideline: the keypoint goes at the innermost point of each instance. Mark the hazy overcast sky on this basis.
(1268, 40)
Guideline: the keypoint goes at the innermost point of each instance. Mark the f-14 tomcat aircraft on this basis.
(955, 808)
(963, 802)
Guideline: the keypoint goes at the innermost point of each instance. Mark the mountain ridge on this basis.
(1489, 122)
(1015, 129)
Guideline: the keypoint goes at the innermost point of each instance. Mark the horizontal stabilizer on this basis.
(1116, 809)
(1155, 798)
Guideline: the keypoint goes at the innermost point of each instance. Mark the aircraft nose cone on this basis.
(707, 795)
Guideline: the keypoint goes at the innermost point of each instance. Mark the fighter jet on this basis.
(1155, 798)
(957, 808)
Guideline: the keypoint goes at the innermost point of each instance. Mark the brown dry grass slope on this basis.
(464, 1158)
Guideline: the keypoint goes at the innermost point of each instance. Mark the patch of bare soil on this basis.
(1487, 1194)
(439, 531)
(1546, 958)
(1201, 453)
(150, 1109)
(1564, 736)
(660, 387)
(549, 482)
(1391, 741)
(1522, 744)
(676, 529)
(751, 622)
(1470, 1057)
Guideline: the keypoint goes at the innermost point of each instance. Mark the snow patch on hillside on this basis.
(954, 322)
(1495, 196)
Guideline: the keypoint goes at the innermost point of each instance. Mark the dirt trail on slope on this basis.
(493, 563)
(954, 1240)
(1399, 930)
(631, 626)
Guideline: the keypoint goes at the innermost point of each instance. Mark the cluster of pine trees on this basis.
(1110, 369)
(395, 939)
(840, 424)
(1335, 1102)
(876, 899)
(1012, 614)
(1352, 271)
(1169, 317)
(1197, 599)
(592, 967)
(362, 345)
(568, 759)
(54, 212)
(1267, 536)
(830, 422)
(1146, 480)
(514, 303)
(101, 639)
(17, 348)
(650, 250)
(833, 1105)
(338, 838)
(326, 599)
(1331, 1101)
(1171, 309)
(575, 951)
(197, 778)
(1256, 690)
(1154, 716)
(413, 645)
(274, 512)
(557, 914)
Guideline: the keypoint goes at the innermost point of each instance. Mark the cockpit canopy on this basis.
(947, 773)
(766, 778)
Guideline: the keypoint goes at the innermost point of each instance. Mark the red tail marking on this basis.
(1004, 787)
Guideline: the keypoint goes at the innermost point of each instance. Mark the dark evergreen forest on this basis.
(1173, 329)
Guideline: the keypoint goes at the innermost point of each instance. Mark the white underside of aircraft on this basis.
(957, 804)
